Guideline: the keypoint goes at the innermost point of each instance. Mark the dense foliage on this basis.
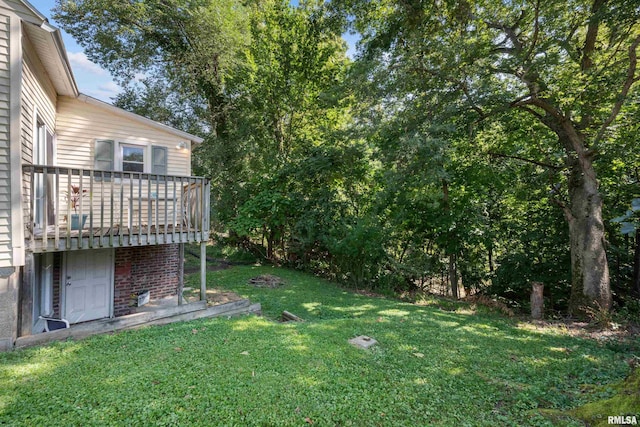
(472, 146)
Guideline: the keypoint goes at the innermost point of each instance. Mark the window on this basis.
(44, 189)
(127, 157)
(132, 158)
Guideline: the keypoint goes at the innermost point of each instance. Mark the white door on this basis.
(88, 285)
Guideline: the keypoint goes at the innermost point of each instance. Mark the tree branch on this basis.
(473, 105)
(541, 103)
(622, 97)
(536, 30)
(523, 159)
(531, 111)
(567, 212)
(510, 33)
(592, 35)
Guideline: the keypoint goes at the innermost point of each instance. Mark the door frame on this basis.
(63, 280)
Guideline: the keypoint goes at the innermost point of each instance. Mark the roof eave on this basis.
(69, 86)
(65, 66)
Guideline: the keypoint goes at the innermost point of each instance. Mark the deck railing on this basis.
(109, 207)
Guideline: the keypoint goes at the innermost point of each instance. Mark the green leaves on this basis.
(627, 226)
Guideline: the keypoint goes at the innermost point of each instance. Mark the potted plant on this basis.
(73, 197)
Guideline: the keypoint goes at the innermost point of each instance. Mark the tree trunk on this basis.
(270, 239)
(590, 284)
(636, 266)
(537, 300)
(453, 275)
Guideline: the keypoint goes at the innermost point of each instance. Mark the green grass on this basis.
(432, 367)
(228, 253)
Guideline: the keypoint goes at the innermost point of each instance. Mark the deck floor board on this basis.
(116, 236)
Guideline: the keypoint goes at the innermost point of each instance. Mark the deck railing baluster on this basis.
(139, 208)
(45, 205)
(166, 207)
(91, 208)
(48, 192)
(175, 206)
(57, 210)
(111, 200)
(120, 205)
(68, 245)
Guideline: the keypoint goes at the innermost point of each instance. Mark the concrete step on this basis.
(195, 310)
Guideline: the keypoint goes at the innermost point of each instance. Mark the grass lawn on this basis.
(436, 364)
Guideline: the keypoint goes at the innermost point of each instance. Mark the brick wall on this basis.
(152, 268)
(57, 271)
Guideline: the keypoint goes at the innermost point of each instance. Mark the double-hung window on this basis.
(132, 158)
(127, 157)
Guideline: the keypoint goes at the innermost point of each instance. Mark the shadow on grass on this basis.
(430, 367)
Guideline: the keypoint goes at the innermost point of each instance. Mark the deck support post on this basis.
(26, 283)
(203, 270)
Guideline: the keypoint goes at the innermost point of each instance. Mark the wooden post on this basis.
(203, 270)
(537, 300)
(25, 296)
(180, 272)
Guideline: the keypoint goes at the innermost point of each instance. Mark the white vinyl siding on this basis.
(38, 97)
(5, 159)
(80, 124)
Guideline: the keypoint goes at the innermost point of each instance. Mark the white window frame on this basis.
(148, 151)
(39, 155)
(146, 159)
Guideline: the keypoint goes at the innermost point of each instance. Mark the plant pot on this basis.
(75, 221)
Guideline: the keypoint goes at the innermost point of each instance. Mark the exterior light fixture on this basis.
(181, 145)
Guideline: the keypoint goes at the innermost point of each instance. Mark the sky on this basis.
(92, 80)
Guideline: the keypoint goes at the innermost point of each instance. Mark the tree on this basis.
(286, 117)
(571, 66)
(193, 45)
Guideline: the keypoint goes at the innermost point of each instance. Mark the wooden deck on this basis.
(114, 209)
(117, 236)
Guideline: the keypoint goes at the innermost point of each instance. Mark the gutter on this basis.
(58, 44)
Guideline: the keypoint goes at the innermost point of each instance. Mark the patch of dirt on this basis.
(219, 296)
(215, 296)
(491, 303)
(586, 330)
(266, 281)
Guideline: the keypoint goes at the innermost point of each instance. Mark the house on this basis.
(96, 203)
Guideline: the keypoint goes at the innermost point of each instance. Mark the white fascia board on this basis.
(55, 44)
(33, 10)
(70, 80)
